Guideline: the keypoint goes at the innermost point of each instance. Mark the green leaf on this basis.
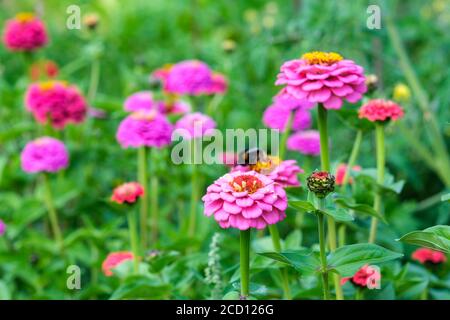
(338, 214)
(303, 206)
(302, 260)
(347, 260)
(437, 237)
(141, 287)
(389, 184)
(446, 197)
(358, 207)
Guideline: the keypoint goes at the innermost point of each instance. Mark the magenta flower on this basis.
(161, 74)
(219, 84)
(306, 142)
(276, 116)
(25, 32)
(245, 200)
(44, 155)
(2, 227)
(381, 110)
(323, 77)
(142, 100)
(286, 99)
(195, 125)
(173, 107)
(191, 77)
(144, 128)
(57, 102)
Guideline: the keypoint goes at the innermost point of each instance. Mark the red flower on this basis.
(424, 255)
(113, 260)
(45, 69)
(367, 276)
(380, 110)
(127, 192)
(341, 171)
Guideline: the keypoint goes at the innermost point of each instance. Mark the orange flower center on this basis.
(247, 183)
(266, 166)
(144, 115)
(48, 85)
(320, 57)
(24, 16)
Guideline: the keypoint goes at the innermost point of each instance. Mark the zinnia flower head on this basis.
(24, 32)
(144, 128)
(113, 260)
(341, 170)
(306, 142)
(276, 116)
(245, 200)
(219, 84)
(142, 100)
(323, 77)
(367, 276)
(44, 69)
(424, 255)
(2, 227)
(380, 110)
(195, 125)
(57, 102)
(128, 193)
(284, 172)
(190, 77)
(321, 183)
(44, 155)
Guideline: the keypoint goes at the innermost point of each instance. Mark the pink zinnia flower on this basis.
(44, 155)
(381, 110)
(25, 32)
(43, 69)
(113, 260)
(323, 77)
(195, 125)
(276, 116)
(127, 193)
(306, 142)
(191, 77)
(219, 84)
(57, 102)
(424, 255)
(286, 99)
(144, 128)
(245, 200)
(364, 277)
(142, 100)
(341, 171)
(2, 227)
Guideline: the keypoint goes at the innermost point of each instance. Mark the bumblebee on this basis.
(252, 156)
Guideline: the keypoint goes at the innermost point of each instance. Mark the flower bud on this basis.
(321, 183)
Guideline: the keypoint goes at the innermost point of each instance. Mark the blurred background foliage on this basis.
(247, 41)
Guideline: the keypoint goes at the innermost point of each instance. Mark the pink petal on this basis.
(312, 85)
(342, 91)
(239, 222)
(321, 95)
(264, 206)
(227, 197)
(244, 202)
(221, 215)
(212, 207)
(231, 207)
(280, 204)
(333, 103)
(252, 212)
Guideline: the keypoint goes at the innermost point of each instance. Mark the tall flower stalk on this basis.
(195, 192)
(143, 208)
(154, 186)
(134, 242)
(53, 216)
(245, 263)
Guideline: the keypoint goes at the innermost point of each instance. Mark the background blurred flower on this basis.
(44, 155)
(245, 200)
(142, 100)
(323, 77)
(381, 110)
(43, 69)
(401, 92)
(195, 125)
(306, 142)
(341, 171)
(276, 116)
(364, 277)
(219, 84)
(172, 106)
(144, 128)
(113, 260)
(424, 255)
(127, 193)
(57, 102)
(2, 227)
(191, 77)
(24, 32)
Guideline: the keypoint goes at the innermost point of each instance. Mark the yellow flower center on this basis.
(24, 16)
(144, 115)
(48, 85)
(320, 57)
(266, 166)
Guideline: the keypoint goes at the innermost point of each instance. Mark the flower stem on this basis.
(245, 263)
(133, 240)
(377, 202)
(275, 235)
(353, 157)
(142, 178)
(154, 183)
(53, 216)
(94, 80)
(285, 136)
(194, 194)
(325, 164)
(323, 258)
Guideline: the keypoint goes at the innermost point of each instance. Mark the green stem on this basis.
(353, 157)
(325, 163)
(154, 183)
(323, 257)
(285, 136)
(245, 263)
(142, 178)
(377, 202)
(342, 234)
(195, 193)
(275, 235)
(358, 294)
(53, 216)
(133, 240)
(94, 80)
